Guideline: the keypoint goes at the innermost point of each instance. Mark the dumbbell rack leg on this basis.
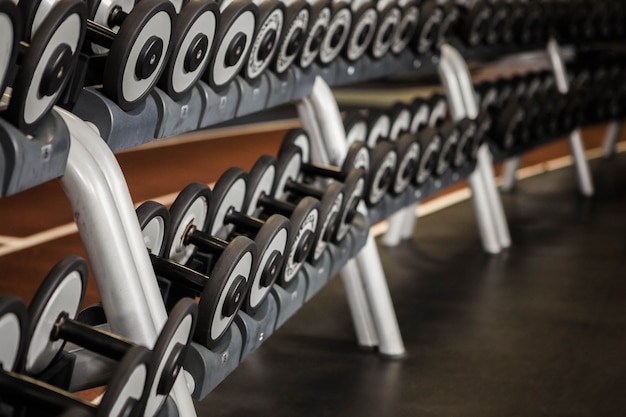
(509, 172)
(613, 133)
(320, 116)
(108, 226)
(577, 149)
(462, 99)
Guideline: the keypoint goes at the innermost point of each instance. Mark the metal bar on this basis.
(357, 302)
(613, 133)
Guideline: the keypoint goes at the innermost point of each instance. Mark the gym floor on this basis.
(536, 330)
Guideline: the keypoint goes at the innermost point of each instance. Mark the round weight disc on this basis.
(229, 195)
(154, 221)
(313, 41)
(331, 204)
(300, 139)
(431, 18)
(304, 221)
(407, 27)
(237, 24)
(379, 128)
(389, 20)
(448, 24)
(101, 11)
(125, 393)
(138, 53)
(450, 138)
(356, 129)
(190, 209)
(260, 182)
(265, 43)
(384, 160)
(225, 291)
(419, 118)
(168, 353)
(292, 39)
(336, 35)
(271, 242)
(468, 131)
(358, 157)
(48, 64)
(483, 128)
(438, 110)
(61, 291)
(400, 121)
(12, 328)
(362, 34)
(10, 29)
(192, 43)
(408, 153)
(288, 168)
(430, 142)
(353, 190)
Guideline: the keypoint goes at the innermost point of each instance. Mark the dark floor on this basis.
(538, 330)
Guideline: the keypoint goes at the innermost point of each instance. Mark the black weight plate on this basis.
(384, 162)
(474, 24)
(353, 191)
(297, 16)
(192, 46)
(408, 149)
(225, 291)
(358, 157)
(438, 106)
(48, 64)
(400, 115)
(168, 354)
(356, 128)
(260, 182)
(154, 222)
(430, 143)
(13, 322)
(300, 139)
(148, 25)
(330, 207)
(430, 19)
(419, 115)
(508, 125)
(304, 222)
(229, 195)
(337, 34)
(365, 20)
(10, 34)
(126, 390)
(271, 243)
(450, 137)
(483, 129)
(447, 28)
(271, 20)
(189, 210)
(498, 24)
(319, 21)
(379, 125)
(467, 137)
(407, 27)
(33, 13)
(288, 168)
(388, 21)
(61, 291)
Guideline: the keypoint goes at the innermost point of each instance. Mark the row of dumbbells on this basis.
(36, 340)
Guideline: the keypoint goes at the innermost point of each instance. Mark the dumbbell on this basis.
(238, 20)
(192, 45)
(10, 34)
(271, 236)
(297, 17)
(400, 117)
(430, 20)
(430, 143)
(438, 106)
(420, 112)
(407, 27)
(450, 135)
(451, 15)
(364, 23)
(526, 22)
(222, 292)
(287, 187)
(352, 174)
(388, 21)
(474, 23)
(303, 216)
(270, 22)
(46, 63)
(508, 126)
(471, 136)
(338, 31)
(123, 396)
(499, 29)
(52, 324)
(319, 21)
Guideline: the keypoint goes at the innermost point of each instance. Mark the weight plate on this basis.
(438, 110)
(192, 43)
(408, 149)
(420, 111)
(320, 19)
(33, 13)
(125, 393)
(508, 126)
(101, 12)
(474, 25)
(260, 182)
(430, 20)
(497, 24)
(304, 222)
(189, 210)
(154, 220)
(271, 242)
(464, 149)
(138, 53)
(430, 142)
(353, 191)
(448, 24)
(388, 21)
(400, 116)
(292, 40)
(229, 195)
(450, 139)
(13, 321)
(384, 161)
(266, 38)
(300, 139)
(288, 168)
(378, 129)
(330, 207)
(225, 291)
(169, 354)
(356, 129)
(483, 129)
(10, 33)
(62, 291)
(404, 34)
(237, 22)
(337, 33)
(362, 32)
(358, 157)
(48, 64)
